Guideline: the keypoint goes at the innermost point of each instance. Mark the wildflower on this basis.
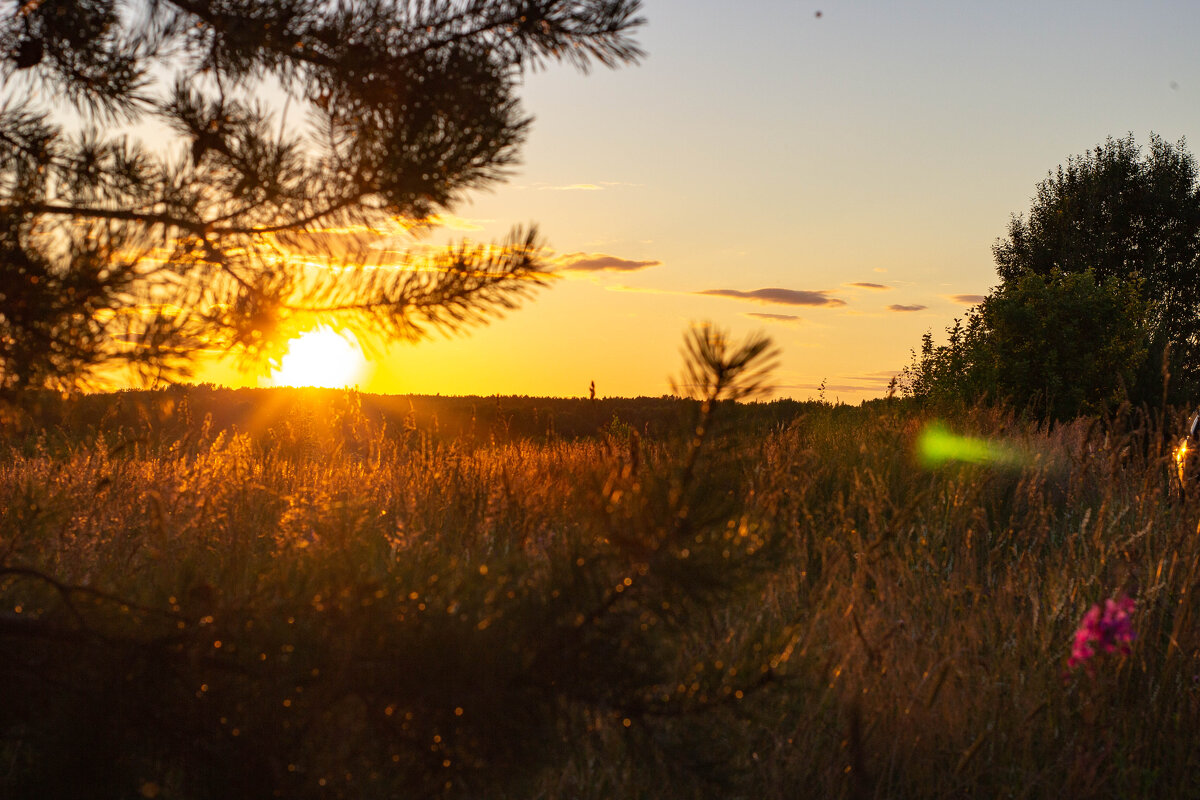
(1104, 629)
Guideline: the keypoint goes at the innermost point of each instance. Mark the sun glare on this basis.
(320, 357)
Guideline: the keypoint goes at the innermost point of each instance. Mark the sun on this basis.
(320, 357)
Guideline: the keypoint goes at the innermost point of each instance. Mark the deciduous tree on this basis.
(1057, 346)
(1124, 213)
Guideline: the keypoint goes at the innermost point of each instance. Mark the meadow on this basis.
(321, 594)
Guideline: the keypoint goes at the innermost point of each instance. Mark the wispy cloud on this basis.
(867, 285)
(596, 186)
(784, 297)
(899, 307)
(454, 222)
(789, 319)
(340, 241)
(620, 287)
(600, 262)
(828, 387)
(966, 299)
(871, 382)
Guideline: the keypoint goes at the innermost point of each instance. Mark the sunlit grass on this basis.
(387, 600)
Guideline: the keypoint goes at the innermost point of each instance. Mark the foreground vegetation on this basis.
(333, 603)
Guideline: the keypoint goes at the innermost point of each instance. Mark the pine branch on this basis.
(126, 215)
(417, 106)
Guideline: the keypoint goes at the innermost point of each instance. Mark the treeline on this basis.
(275, 415)
(1097, 303)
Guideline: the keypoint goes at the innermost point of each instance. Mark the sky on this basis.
(836, 180)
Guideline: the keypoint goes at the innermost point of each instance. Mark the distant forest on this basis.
(184, 411)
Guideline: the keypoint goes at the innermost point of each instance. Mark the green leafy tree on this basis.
(1125, 214)
(1058, 346)
(114, 253)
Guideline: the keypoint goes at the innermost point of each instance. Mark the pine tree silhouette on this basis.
(113, 253)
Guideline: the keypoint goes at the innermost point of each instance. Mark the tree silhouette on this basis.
(255, 213)
(1056, 346)
(1123, 214)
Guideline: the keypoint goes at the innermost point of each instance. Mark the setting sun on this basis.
(320, 357)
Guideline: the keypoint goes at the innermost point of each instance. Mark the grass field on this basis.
(320, 596)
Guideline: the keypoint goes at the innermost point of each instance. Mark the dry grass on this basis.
(403, 616)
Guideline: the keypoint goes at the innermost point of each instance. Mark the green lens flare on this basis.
(937, 445)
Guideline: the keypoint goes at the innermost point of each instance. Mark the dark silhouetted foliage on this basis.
(1056, 346)
(1097, 297)
(439, 620)
(115, 254)
(1125, 214)
(235, 614)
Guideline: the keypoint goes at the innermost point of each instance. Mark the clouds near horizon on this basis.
(899, 307)
(868, 285)
(870, 382)
(597, 186)
(601, 262)
(967, 299)
(790, 319)
(777, 296)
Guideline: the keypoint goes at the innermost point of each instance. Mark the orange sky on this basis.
(837, 181)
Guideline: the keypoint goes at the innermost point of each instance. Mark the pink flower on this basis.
(1103, 630)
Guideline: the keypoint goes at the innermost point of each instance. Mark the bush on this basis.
(1056, 346)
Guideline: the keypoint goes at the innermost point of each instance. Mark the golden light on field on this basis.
(321, 357)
